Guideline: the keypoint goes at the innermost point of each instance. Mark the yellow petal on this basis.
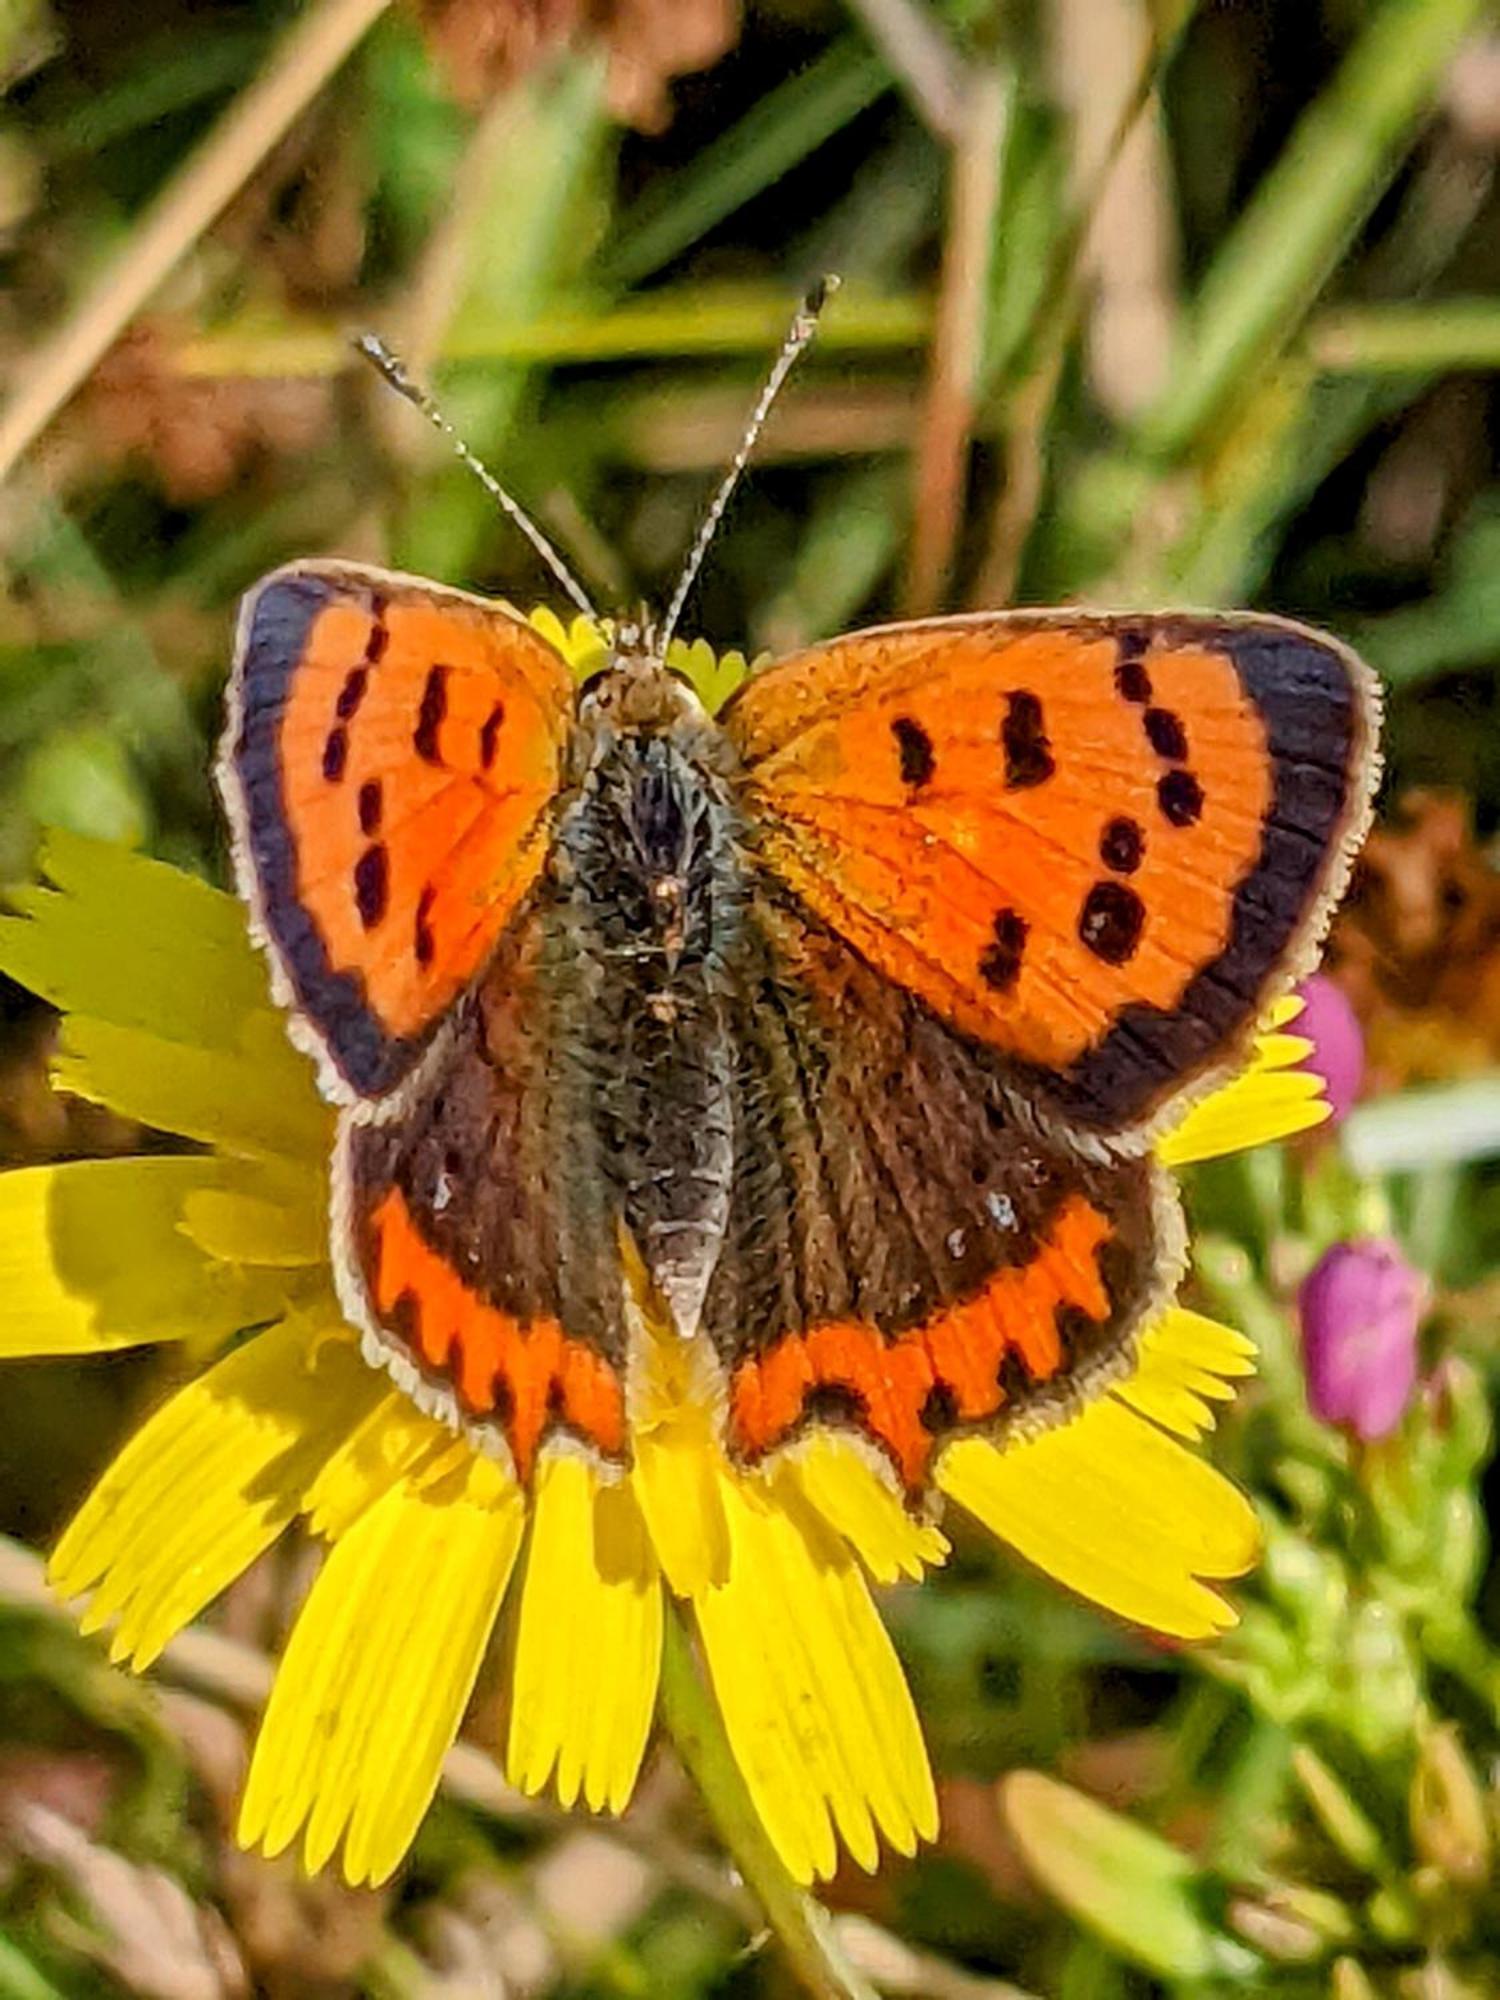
(93, 1256)
(588, 1643)
(714, 677)
(1270, 1099)
(838, 1480)
(133, 941)
(678, 1460)
(244, 1100)
(156, 967)
(1186, 1363)
(581, 643)
(1187, 1340)
(262, 1216)
(1171, 1404)
(1116, 1510)
(679, 1490)
(395, 1441)
(813, 1697)
(1254, 1110)
(209, 1482)
(379, 1670)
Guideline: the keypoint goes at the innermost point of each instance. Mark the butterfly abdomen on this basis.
(645, 925)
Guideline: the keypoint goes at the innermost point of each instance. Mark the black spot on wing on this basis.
(489, 735)
(430, 715)
(1023, 738)
(914, 748)
(372, 885)
(939, 1411)
(352, 693)
(1131, 677)
(836, 1403)
(1111, 921)
(1000, 961)
(1122, 845)
(1166, 735)
(423, 942)
(1180, 797)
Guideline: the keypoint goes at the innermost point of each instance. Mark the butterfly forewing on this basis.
(1098, 845)
(392, 751)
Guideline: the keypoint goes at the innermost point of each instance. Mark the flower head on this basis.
(1361, 1306)
(428, 1541)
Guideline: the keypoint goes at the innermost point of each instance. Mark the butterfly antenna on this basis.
(391, 370)
(800, 334)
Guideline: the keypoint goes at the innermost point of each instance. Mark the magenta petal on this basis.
(1361, 1307)
(1338, 1044)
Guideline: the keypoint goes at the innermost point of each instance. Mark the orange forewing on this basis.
(913, 874)
(393, 754)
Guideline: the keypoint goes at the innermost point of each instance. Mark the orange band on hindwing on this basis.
(955, 1357)
(525, 1377)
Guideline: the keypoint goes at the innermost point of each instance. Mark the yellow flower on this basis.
(167, 1019)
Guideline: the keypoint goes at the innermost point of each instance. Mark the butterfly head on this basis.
(636, 689)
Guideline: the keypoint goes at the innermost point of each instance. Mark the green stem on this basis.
(666, 325)
(801, 1924)
(1428, 339)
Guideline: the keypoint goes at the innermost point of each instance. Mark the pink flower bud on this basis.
(1338, 1044)
(1361, 1306)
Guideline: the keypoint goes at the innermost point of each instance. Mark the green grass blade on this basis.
(1442, 336)
(773, 137)
(1281, 253)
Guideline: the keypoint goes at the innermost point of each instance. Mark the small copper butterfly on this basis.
(843, 1018)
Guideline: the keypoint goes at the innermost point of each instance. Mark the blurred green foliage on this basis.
(1264, 375)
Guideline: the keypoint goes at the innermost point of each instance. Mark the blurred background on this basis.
(1144, 302)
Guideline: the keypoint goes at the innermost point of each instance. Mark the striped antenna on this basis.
(394, 374)
(800, 334)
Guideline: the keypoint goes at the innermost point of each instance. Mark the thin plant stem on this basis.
(958, 339)
(922, 58)
(205, 184)
(1431, 339)
(1033, 394)
(713, 321)
(801, 1925)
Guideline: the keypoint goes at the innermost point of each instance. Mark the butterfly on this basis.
(838, 1024)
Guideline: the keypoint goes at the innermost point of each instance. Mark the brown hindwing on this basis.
(907, 1255)
(481, 1262)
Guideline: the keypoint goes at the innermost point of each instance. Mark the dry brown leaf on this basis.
(484, 45)
(1417, 947)
(200, 436)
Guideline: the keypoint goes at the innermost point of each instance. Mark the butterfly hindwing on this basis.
(391, 754)
(483, 1274)
(905, 1253)
(1099, 845)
